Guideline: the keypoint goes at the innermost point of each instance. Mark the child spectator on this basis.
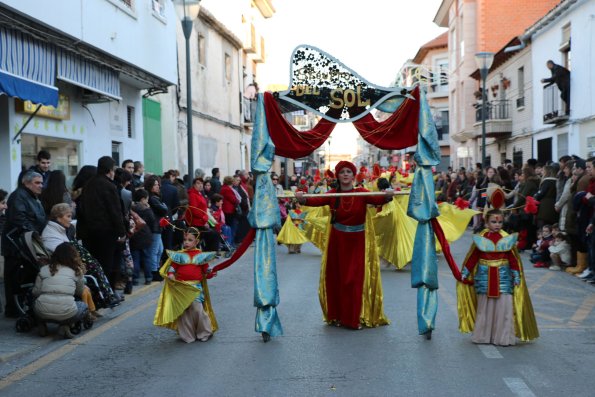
(560, 253)
(216, 211)
(541, 255)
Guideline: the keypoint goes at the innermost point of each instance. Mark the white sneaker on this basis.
(554, 267)
(585, 274)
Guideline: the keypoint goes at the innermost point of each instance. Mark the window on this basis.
(520, 102)
(562, 144)
(517, 159)
(130, 120)
(158, 7)
(116, 148)
(462, 49)
(202, 50)
(441, 121)
(565, 47)
(228, 68)
(440, 75)
(128, 3)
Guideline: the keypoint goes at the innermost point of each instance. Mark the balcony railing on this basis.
(554, 109)
(495, 110)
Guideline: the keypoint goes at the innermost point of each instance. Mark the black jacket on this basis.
(99, 210)
(144, 237)
(169, 196)
(24, 213)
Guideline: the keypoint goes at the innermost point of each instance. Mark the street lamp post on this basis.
(188, 10)
(484, 63)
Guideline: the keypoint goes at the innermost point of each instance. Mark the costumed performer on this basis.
(184, 304)
(350, 261)
(292, 233)
(500, 306)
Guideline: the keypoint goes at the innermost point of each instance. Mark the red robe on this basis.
(345, 264)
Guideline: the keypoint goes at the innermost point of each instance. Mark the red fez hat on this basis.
(345, 164)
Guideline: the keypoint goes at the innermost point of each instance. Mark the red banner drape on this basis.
(289, 142)
(399, 131)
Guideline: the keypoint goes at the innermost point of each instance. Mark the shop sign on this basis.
(61, 112)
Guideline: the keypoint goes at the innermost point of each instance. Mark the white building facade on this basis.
(99, 70)
(566, 36)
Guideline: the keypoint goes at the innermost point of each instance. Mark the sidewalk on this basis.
(15, 345)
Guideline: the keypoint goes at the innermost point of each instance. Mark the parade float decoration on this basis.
(323, 85)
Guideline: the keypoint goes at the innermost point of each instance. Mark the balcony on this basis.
(498, 121)
(554, 108)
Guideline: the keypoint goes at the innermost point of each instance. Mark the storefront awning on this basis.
(76, 70)
(27, 68)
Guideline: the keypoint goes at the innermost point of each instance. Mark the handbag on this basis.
(139, 222)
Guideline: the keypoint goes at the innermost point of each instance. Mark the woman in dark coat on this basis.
(529, 185)
(546, 196)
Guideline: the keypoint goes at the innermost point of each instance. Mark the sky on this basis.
(372, 37)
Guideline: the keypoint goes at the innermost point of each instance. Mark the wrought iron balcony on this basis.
(498, 120)
(554, 108)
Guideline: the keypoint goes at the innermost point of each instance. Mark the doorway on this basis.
(544, 150)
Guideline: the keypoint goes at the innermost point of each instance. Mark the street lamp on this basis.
(188, 10)
(484, 63)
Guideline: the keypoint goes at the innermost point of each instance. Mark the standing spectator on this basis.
(3, 206)
(55, 192)
(80, 180)
(562, 177)
(137, 175)
(100, 221)
(171, 198)
(44, 161)
(197, 215)
(277, 185)
(589, 275)
(24, 213)
(577, 217)
(153, 187)
(561, 205)
(231, 205)
(215, 181)
(207, 190)
(128, 165)
(528, 186)
(122, 180)
(142, 240)
(243, 225)
(546, 196)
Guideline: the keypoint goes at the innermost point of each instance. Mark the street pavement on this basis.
(125, 355)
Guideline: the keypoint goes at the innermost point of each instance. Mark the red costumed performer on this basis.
(342, 288)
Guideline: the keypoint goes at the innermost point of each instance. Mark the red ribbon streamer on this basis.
(446, 249)
(238, 252)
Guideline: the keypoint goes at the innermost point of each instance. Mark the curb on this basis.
(40, 342)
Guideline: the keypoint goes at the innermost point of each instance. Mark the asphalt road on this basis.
(125, 355)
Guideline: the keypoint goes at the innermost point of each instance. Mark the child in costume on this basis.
(493, 300)
(297, 218)
(292, 233)
(184, 304)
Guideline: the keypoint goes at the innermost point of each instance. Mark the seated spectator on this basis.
(55, 288)
(560, 253)
(541, 255)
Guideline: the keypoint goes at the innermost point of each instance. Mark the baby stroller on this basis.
(32, 256)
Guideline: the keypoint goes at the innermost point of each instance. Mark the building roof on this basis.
(501, 56)
(440, 41)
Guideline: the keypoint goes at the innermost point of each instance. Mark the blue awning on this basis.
(27, 68)
(89, 75)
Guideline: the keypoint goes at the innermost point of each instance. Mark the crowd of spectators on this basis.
(559, 231)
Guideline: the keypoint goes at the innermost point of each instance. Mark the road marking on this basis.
(490, 351)
(548, 317)
(541, 282)
(555, 300)
(518, 387)
(584, 310)
(58, 353)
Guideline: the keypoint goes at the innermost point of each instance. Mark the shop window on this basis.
(116, 149)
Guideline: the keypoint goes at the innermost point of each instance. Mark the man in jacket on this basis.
(215, 181)
(100, 220)
(44, 161)
(560, 76)
(24, 213)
